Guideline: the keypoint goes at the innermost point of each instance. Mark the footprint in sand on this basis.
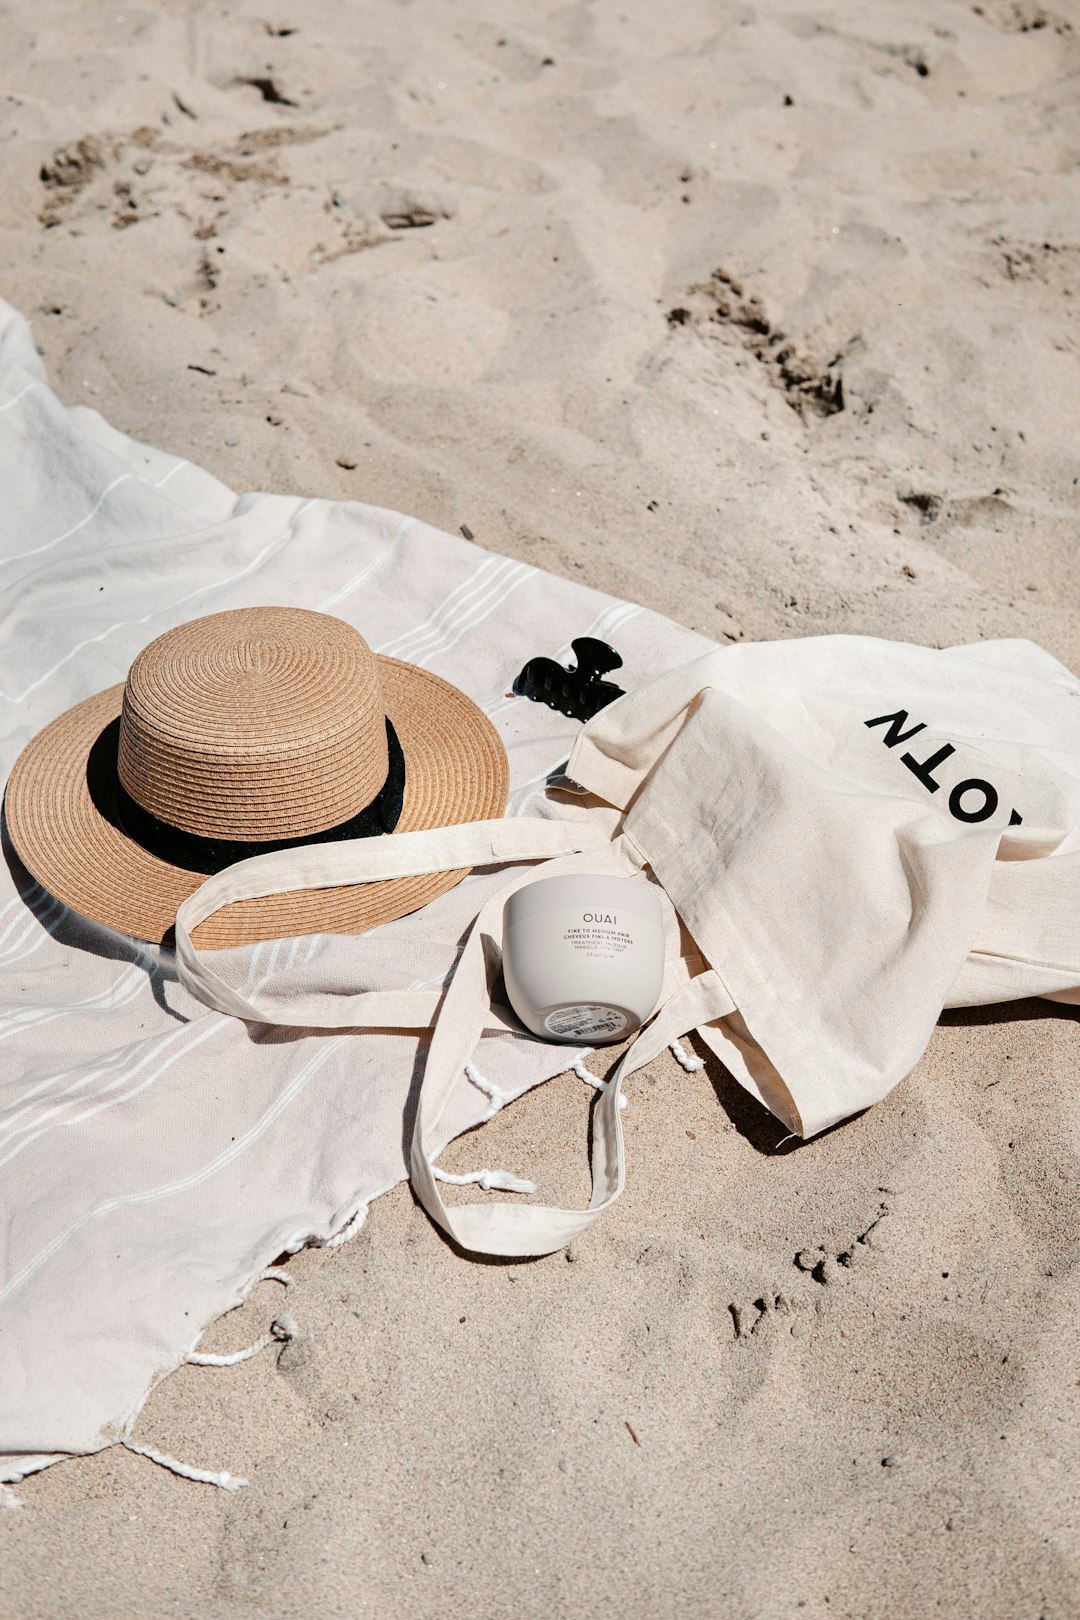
(766, 1314)
(815, 1263)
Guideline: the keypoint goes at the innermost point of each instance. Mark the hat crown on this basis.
(254, 724)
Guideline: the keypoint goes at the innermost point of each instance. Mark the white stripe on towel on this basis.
(124, 989)
(132, 1068)
(471, 602)
(50, 916)
(166, 607)
(18, 556)
(185, 1183)
(479, 612)
(8, 403)
(366, 573)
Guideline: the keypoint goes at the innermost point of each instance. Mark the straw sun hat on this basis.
(236, 734)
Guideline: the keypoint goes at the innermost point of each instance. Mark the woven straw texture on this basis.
(259, 723)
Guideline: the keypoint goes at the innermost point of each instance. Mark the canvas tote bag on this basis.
(856, 833)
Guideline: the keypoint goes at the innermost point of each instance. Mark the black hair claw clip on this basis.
(578, 691)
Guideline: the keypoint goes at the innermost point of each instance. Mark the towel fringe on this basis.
(276, 1274)
(497, 1098)
(349, 1230)
(594, 1080)
(689, 1062)
(281, 1328)
(489, 1180)
(203, 1476)
(8, 1499)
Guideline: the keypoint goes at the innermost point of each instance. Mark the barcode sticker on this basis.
(585, 1022)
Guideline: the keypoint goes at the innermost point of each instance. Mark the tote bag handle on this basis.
(358, 860)
(491, 1228)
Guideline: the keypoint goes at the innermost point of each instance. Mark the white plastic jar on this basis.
(583, 956)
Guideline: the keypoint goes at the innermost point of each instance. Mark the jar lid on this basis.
(600, 893)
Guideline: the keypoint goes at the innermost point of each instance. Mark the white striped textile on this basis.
(155, 1157)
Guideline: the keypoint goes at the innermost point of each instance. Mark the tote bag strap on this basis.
(463, 1012)
(359, 860)
(531, 1229)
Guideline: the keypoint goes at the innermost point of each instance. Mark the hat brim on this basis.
(455, 771)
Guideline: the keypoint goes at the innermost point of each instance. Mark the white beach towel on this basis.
(856, 833)
(154, 1156)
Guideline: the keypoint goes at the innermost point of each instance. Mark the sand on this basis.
(764, 316)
